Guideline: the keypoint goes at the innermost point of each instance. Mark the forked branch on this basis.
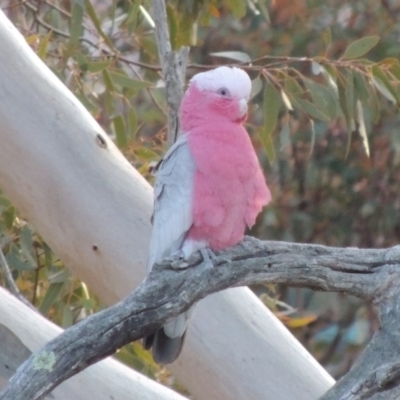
(369, 274)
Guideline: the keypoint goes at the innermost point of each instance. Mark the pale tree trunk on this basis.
(94, 210)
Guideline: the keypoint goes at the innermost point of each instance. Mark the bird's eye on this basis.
(223, 92)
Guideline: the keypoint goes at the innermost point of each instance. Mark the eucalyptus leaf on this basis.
(108, 81)
(395, 70)
(4, 201)
(271, 106)
(143, 153)
(360, 47)
(96, 22)
(76, 28)
(345, 92)
(292, 87)
(327, 37)
(383, 89)
(173, 23)
(351, 97)
(26, 243)
(67, 317)
(323, 97)
(44, 44)
(313, 135)
(284, 134)
(262, 6)
(132, 122)
(382, 83)
(60, 276)
(361, 86)
(361, 127)
(15, 262)
(132, 14)
(268, 147)
(52, 294)
(272, 103)
(9, 215)
(256, 87)
(97, 66)
(120, 131)
(286, 101)
(311, 109)
(233, 55)
(329, 74)
(127, 82)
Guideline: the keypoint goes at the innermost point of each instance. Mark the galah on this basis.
(209, 185)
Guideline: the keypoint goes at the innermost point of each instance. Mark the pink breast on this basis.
(229, 187)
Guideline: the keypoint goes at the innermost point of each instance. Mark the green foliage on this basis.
(39, 273)
(324, 112)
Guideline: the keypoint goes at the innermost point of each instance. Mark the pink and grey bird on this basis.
(209, 186)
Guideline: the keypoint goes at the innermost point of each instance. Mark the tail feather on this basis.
(165, 349)
(148, 341)
(167, 341)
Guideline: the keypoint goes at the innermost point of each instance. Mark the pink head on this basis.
(219, 95)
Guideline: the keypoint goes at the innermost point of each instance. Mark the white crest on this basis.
(234, 79)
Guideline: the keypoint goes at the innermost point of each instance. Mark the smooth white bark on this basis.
(94, 210)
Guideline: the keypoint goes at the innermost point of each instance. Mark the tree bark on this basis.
(23, 332)
(71, 182)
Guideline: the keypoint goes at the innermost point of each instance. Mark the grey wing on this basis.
(173, 192)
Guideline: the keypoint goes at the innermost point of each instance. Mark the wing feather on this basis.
(173, 193)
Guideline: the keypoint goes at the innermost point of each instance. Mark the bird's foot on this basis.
(177, 261)
(208, 257)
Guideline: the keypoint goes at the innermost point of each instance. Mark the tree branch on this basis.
(173, 67)
(377, 381)
(370, 274)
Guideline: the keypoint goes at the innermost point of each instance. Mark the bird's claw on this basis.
(208, 257)
(177, 261)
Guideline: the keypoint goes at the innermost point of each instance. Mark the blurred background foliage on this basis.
(324, 120)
